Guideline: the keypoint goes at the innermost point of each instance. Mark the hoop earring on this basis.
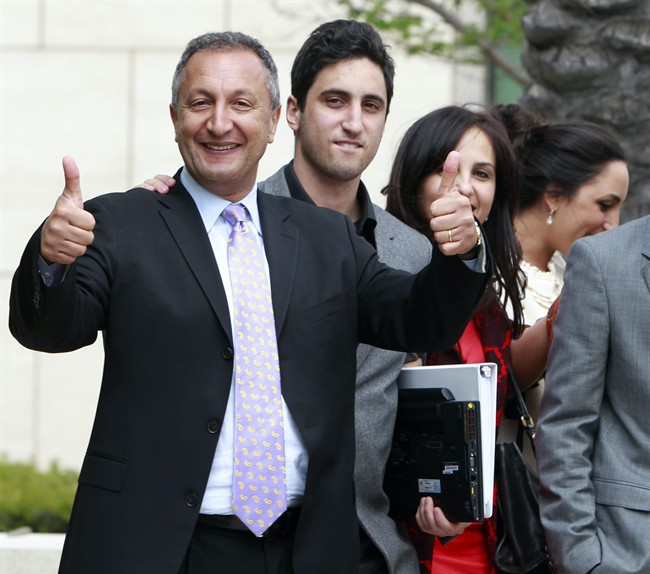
(549, 219)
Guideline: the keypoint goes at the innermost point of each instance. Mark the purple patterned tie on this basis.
(259, 479)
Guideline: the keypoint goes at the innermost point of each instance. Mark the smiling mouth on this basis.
(220, 147)
(349, 145)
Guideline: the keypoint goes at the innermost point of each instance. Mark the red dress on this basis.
(486, 338)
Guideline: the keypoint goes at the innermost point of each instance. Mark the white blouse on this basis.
(542, 287)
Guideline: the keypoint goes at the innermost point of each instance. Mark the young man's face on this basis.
(339, 130)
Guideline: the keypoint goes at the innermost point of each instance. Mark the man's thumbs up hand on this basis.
(72, 188)
(449, 174)
(69, 228)
(452, 220)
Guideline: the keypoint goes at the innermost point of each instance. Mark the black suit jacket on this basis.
(150, 284)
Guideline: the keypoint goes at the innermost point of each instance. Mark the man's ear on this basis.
(275, 118)
(174, 117)
(293, 113)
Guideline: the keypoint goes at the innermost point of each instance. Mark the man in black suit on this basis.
(150, 272)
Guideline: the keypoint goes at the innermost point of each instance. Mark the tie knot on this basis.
(235, 213)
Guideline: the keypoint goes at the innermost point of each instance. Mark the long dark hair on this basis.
(423, 150)
(559, 156)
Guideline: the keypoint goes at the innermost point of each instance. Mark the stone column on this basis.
(590, 59)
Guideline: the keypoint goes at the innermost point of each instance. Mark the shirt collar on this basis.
(211, 206)
(365, 225)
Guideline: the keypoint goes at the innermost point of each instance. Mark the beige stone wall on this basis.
(91, 79)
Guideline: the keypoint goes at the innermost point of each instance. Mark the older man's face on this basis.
(223, 120)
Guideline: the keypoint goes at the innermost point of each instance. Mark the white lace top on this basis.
(542, 288)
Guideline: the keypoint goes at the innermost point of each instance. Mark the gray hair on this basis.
(228, 42)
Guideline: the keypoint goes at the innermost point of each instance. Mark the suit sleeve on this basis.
(569, 417)
(424, 313)
(66, 316)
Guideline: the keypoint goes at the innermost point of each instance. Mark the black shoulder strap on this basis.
(527, 422)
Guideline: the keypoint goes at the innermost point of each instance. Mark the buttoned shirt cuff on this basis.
(53, 274)
(479, 264)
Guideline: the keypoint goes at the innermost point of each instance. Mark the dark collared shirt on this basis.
(365, 225)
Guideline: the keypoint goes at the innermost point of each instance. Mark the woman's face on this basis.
(595, 207)
(476, 177)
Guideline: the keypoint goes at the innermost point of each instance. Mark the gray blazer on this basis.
(400, 247)
(594, 436)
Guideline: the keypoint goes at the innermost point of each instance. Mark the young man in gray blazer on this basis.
(341, 89)
(593, 443)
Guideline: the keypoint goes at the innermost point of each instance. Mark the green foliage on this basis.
(423, 26)
(503, 21)
(40, 500)
(415, 33)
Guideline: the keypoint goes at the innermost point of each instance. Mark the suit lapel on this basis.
(281, 248)
(384, 237)
(276, 184)
(183, 220)
(645, 252)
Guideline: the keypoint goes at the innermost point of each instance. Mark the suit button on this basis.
(227, 353)
(213, 427)
(191, 500)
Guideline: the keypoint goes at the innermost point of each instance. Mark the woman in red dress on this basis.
(488, 176)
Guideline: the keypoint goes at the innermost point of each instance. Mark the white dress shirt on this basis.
(218, 494)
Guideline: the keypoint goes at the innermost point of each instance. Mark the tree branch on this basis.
(487, 48)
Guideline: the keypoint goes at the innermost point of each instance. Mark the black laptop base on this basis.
(435, 452)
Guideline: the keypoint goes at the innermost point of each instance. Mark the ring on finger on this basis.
(451, 237)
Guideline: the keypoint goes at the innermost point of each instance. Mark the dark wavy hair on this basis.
(423, 150)
(559, 156)
(335, 42)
